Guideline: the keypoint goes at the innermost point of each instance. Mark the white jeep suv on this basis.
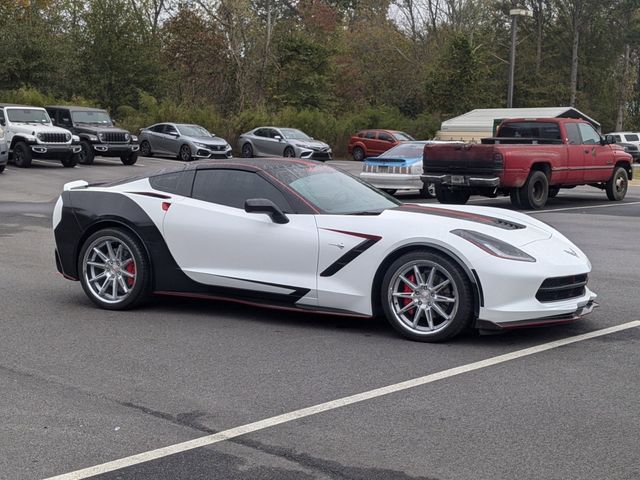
(30, 134)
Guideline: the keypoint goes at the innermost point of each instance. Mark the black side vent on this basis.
(562, 288)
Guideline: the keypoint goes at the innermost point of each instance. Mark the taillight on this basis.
(165, 206)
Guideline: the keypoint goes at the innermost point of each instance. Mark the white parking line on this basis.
(332, 405)
(611, 204)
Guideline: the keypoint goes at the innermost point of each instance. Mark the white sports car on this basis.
(300, 235)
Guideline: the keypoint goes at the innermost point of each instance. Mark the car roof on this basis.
(2, 105)
(77, 108)
(254, 164)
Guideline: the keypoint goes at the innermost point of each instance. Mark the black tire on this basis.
(535, 191)
(289, 153)
(145, 149)
(389, 191)
(141, 287)
(70, 161)
(358, 154)
(185, 153)
(22, 155)
(617, 185)
(428, 190)
(247, 150)
(553, 192)
(129, 159)
(86, 155)
(454, 197)
(514, 195)
(459, 288)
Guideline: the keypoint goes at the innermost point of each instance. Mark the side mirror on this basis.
(609, 140)
(278, 137)
(2, 122)
(263, 205)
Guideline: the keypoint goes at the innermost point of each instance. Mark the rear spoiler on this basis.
(521, 140)
(77, 185)
(385, 159)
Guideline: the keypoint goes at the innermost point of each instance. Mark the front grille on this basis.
(113, 137)
(54, 137)
(321, 155)
(562, 288)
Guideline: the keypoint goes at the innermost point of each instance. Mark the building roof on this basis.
(481, 119)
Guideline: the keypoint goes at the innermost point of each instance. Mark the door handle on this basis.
(587, 151)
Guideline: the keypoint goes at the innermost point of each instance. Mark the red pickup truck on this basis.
(530, 160)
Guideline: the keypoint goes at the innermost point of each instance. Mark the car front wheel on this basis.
(145, 149)
(426, 296)
(86, 155)
(617, 186)
(114, 270)
(185, 153)
(130, 159)
(358, 154)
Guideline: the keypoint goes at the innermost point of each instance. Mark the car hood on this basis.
(207, 140)
(96, 129)
(308, 143)
(515, 228)
(38, 128)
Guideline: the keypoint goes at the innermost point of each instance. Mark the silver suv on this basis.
(30, 134)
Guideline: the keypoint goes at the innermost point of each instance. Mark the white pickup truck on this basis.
(30, 134)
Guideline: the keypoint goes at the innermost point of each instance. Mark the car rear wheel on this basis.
(289, 152)
(2, 168)
(145, 149)
(247, 150)
(535, 191)
(86, 155)
(185, 153)
(617, 186)
(22, 155)
(455, 197)
(130, 159)
(358, 154)
(114, 270)
(514, 195)
(426, 296)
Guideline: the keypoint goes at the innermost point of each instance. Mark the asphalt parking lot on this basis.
(82, 387)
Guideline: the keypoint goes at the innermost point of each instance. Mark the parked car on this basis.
(371, 143)
(4, 151)
(282, 142)
(399, 169)
(30, 134)
(97, 133)
(184, 140)
(626, 137)
(530, 160)
(301, 235)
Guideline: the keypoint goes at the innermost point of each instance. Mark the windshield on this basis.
(94, 117)
(294, 134)
(333, 191)
(27, 115)
(404, 150)
(193, 131)
(403, 137)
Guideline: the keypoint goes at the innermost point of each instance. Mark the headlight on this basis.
(201, 145)
(67, 136)
(493, 246)
(227, 147)
(127, 136)
(93, 138)
(134, 138)
(39, 136)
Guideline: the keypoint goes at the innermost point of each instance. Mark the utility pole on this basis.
(514, 13)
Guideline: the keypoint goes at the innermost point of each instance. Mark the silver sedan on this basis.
(187, 142)
(282, 142)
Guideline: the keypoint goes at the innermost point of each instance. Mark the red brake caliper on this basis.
(131, 268)
(407, 289)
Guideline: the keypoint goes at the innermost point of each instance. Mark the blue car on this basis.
(399, 169)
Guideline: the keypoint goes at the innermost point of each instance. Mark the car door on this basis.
(215, 242)
(154, 137)
(260, 140)
(598, 158)
(385, 141)
(573, 171)
(170, 139)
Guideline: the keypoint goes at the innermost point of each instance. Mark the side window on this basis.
(233, 187)
(53, 114)
(158, 128)
(589, 135)
(371, 135)
(361, 134)
(573, 136)
(631, 138)
(618, 139)
(273, 133)
(64, 118)
(261, 132)
(170, 130)
(179, 183)
(2, 120)
(385, 137)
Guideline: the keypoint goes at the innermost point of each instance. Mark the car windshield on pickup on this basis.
(28, 115)
(91, 117)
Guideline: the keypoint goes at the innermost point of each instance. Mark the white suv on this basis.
(627, 137)
(30, 134)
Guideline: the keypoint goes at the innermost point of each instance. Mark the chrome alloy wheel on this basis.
(109, 269)
(423, 297)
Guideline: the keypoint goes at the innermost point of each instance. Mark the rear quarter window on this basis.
(178, 183)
